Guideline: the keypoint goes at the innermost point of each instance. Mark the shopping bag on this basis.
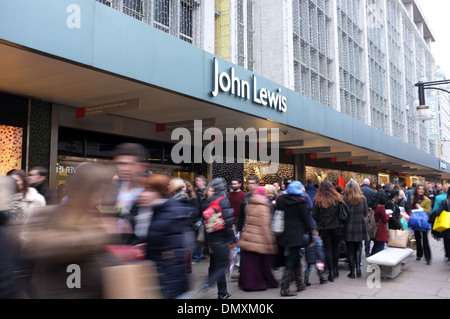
(137, 280)
(442, 222)
(398, 238)
(404, 223)
(412, 241)
(419, 220)
(278, 222)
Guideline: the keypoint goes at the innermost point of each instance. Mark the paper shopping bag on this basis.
(138, 280)
(398, 238)
(442, 222)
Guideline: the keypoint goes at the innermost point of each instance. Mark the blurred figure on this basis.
(38, 178)
(129, 161)
(219, 240)
(253, 183)
(178, 191)
(194, 221)
(8, 286)
(28, 199)
(31, 197)
(258, 245)
(61, 237)
(166, 243)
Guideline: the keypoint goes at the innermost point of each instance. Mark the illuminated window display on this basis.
(11, 141)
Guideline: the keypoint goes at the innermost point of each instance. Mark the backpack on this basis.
(371, 225)
(212, 216)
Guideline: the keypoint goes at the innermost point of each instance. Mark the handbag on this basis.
(398, 238)
(419, 220)
(213, 219)
(278, 222)
(442, 222)
(343, 212)
(201, 235)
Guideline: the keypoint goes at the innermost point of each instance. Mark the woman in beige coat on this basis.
(258, 245)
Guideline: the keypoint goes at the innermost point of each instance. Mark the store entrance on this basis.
(77, 146)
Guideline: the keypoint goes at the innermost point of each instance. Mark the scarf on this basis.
(415, 201)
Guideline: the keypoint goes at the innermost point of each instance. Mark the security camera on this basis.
(285, 132)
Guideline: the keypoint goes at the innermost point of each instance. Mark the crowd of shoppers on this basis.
(160, 219)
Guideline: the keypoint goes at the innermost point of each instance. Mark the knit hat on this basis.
(295, 188)
(218, 184)
(261, 190)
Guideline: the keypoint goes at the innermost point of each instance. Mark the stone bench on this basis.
(390, 260)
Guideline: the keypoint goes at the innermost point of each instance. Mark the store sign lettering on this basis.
(229, 83)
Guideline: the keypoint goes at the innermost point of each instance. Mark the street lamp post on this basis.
(423, 111)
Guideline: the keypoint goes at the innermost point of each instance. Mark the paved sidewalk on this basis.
(416, 281)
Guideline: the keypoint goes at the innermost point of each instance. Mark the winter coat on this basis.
(167, 247)
(444, 205)
(53, 241)
(355, 226)
(381, 218)
(226, 234)
(311, 191)
(394, 219)
(368, 193)
(297, 220)
(327, 218)
(257, 235)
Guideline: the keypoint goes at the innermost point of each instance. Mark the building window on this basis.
(313, 63)
(175, 17)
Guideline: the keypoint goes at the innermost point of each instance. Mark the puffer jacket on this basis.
(226, 234)
(257, 235)
(167, 245)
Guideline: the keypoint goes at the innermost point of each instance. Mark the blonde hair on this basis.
(352, 193)
(445, 188)
(271, 189)
(177, 184)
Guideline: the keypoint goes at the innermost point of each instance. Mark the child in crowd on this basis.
(315, 255)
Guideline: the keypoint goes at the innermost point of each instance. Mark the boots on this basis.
(331, 273)
(299, 279)
(351, 265)
(358, 263)
(288, 277)
(323, 279)
(307, 283)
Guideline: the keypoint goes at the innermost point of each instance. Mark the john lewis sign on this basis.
(228, 82)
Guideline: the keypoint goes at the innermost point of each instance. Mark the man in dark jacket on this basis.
(219, 240)
(297, 223)
(38, 178)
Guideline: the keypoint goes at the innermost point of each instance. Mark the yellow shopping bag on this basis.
(442, 222)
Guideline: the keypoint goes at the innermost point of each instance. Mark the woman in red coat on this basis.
(381, 218)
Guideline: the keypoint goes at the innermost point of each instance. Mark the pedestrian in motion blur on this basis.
(8, 286)
(74, 233)
(167, 243)
(220, 240)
